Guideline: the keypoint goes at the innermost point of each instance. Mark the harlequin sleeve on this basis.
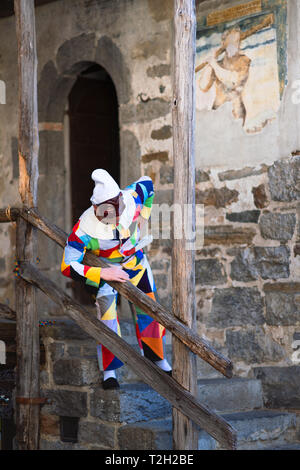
(143, 194)
(73, 255)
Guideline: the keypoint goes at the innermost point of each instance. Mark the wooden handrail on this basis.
(165, 385)
(9, 214)
(180, 398)
(196, 344)
(6, 313)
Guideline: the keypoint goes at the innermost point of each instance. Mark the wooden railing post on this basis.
(27, 385)
(185, 435)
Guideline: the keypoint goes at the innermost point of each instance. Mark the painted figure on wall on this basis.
(237, 63)
(229, 74)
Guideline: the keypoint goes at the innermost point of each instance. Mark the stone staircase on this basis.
(147, 423)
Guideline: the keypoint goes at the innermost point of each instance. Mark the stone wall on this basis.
(253, 309)
(68, 378)
(247, 273)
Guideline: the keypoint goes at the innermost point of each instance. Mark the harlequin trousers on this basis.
(150, 334)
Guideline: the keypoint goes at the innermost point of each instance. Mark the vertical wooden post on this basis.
(27, 412)
(183, 271)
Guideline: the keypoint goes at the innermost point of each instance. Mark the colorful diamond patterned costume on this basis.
(118, 245)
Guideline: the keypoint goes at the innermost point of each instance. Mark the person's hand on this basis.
(114, 273)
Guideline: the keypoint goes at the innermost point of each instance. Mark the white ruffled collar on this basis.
(96, 229)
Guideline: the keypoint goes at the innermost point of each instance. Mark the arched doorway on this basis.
(93, 134)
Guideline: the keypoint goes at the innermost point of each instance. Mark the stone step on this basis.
(262, 428)
(131, 403)
(151, 435)
(138, 402)
(255, 429)
(291, 446)
(222, 395)
(236, 394)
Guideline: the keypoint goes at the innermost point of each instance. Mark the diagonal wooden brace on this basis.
(190, 338)
(165, 385)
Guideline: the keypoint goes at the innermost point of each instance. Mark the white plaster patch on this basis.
(5, 245)
(2, 92)
(2, 353)
(295, 269)
(244, 187)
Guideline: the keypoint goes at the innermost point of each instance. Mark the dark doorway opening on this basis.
(94, 140)
(94, 134)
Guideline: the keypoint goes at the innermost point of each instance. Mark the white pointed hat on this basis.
(105, 186)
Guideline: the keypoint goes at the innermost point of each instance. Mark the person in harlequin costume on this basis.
(111, 229)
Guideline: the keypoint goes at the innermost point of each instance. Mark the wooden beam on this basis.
(185, 434)
(6, 313)
(9, 214)
(7, 6)
(28, 360)
(165, 385)
(8, 335)
(136, 296)
(198, 345)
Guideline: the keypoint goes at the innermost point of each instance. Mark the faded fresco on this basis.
(242, 62)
